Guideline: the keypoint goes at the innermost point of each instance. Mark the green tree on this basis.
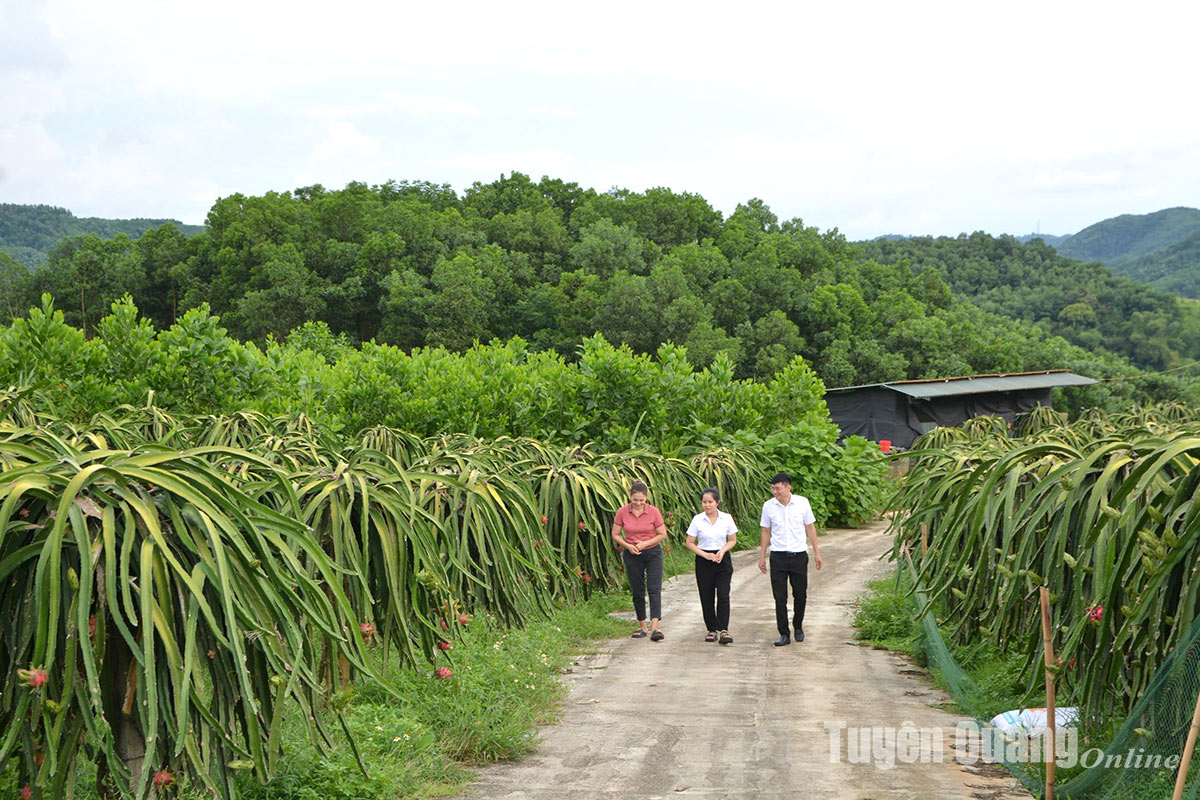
(164, 252)
(745, 228)
(13, 284)
(604, 248)
(283, 294)
(664, 217)
(89, 273)
(459, 309)
(566, 197)
(402, 322)
(703, 265)
(584, 293)
(628, 314)
(505, 195)
(774, 342)
(539, 234)
(706, 343)
(730, 301)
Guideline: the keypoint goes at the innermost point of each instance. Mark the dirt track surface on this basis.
(686, 718)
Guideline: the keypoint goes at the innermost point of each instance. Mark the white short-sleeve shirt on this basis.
(788, 523)
(712, 535)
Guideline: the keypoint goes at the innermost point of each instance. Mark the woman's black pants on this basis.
(712, 580)
(645, 571)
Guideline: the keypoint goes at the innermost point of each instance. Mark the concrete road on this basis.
(687, 718)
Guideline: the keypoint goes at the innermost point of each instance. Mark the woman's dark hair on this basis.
(638, 486)
(712, 490)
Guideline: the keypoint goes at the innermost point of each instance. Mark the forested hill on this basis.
(28, 233)
(1131, 236)
(1172, 269)
(1160, 249)
(415, 264)
(1081, 301)
(1047, 238)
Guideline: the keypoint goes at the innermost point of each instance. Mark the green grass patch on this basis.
(503, 685)
(886, 618)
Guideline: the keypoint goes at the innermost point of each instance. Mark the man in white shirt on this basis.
(788, 528)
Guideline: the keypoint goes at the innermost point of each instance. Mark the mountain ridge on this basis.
(28, 232)
(1130, 236)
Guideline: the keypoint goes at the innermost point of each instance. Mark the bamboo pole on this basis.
(1188, 749)
(924, 541)
(1048, 649)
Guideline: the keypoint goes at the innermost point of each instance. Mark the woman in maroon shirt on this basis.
(642, 527)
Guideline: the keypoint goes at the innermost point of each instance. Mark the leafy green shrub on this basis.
(859, 481)
(611, 397)
(886, 615)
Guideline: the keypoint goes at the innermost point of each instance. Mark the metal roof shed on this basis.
(901, 411)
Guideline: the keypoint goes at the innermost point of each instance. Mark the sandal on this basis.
(725, 638)
(711, 636)
(657, 636)
(638, 634)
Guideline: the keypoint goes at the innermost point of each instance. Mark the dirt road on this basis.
(686, 718)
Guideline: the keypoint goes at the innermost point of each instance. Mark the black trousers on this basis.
(645, 571)
(787, 567)
(713, 582)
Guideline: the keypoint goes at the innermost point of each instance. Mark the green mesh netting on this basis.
(1157, 725)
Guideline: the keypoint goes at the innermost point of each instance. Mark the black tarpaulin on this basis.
(900, 412)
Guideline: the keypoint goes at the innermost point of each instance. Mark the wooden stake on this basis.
(1048, 651)
(1188, 749)
(924, 540)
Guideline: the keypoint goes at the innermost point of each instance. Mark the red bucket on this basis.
(885, 445)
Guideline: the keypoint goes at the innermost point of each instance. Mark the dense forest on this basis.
(1046, 238)
(416, 265)
(28, 233)
(1161, 250)
(1131, 236)
(1175, 268)
(1083, 303)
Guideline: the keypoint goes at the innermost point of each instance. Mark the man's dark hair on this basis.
(782, 477)
(638, 486)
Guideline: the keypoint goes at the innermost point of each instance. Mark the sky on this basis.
(872, 118)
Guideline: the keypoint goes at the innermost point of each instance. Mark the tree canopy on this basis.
(415, 264)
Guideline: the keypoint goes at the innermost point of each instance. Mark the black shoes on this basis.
(782, 640)
(799, 634)
(725, 638)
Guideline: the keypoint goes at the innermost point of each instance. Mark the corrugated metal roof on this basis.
(977, 384)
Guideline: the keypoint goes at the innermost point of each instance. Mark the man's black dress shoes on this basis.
(799, 634)
(782, 640)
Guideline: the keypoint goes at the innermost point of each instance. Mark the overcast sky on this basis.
(872, 118)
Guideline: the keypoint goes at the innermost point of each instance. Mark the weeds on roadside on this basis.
(886, 618)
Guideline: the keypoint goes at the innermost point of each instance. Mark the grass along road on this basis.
(687, 718)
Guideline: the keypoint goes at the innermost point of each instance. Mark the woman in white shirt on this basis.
(711, 536)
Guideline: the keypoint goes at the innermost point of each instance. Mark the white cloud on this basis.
(391, 103)
(853, 116)
(430, 106)
(488, 165)
(1075, 181)
(343, 155)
